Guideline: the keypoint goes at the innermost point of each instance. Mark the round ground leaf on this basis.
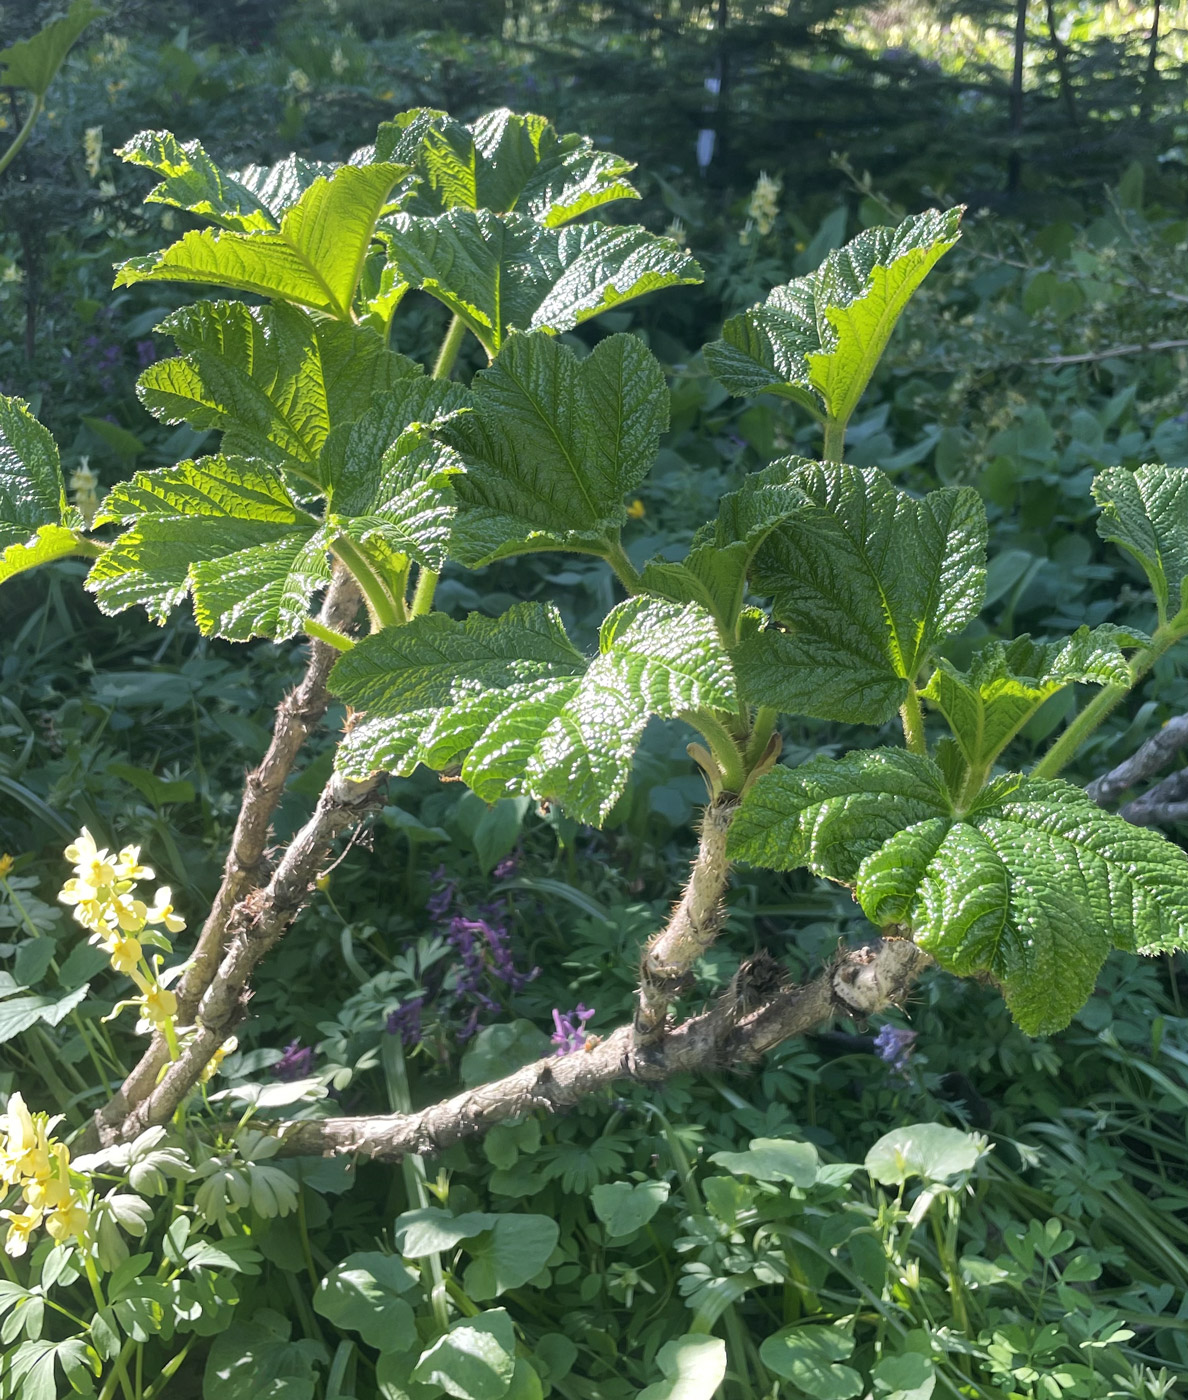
(929, 1150)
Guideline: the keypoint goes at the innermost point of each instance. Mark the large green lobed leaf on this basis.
(1145, 512)
(1031, 885)
(818, 339)
(315, 257)
(868, 580)
(513, 705)
(553, 444)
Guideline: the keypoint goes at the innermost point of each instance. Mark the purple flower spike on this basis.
(570, 1033)
(507, 867)
(295, 1063)
(893, 1045)
(405, 1021)
(440, 901)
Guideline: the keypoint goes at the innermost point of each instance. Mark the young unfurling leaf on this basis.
(869, 580)
(1007, 682)
(818, 339)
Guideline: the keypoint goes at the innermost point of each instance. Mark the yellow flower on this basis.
(6, 864)
(160, 1004)
(52, 1192)
(130, 913)
(162, 911)
(228, 1047)
(637, 510)
(125, 954)
(68, 1221)
(26, 1151)
(20, 1227)
(128, 867)
(92, 867)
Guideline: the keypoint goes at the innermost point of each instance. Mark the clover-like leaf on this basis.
(33, 63)
(225, 529)
(929, 1150)
(869, 580)
(273, 379)
(503, 162)
(37, 524)
(1006, 683)
(509, 1255)
(507, 272)
(315, 257)
(624, 1207)
(363, 1293)
(522, 711)
(818, 339)
(693, 1367)
(475, 1360)
(809, 1356)
(553, 444)
(1145, 512)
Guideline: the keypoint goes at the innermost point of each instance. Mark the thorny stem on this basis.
(386, 609)
(722, 746)
(616, 556)
(423, 593)
(297, 715)
(1106, 701)
(320, 633)
(913, 722)
(692, 927)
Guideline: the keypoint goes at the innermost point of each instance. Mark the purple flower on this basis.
(295, 1063)
(146, 353)
(570, 1034)
(507, 867)
(438, 904)
(405, 1021)
(893, 1045)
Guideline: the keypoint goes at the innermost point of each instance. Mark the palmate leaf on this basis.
(37, 524)
(1006, 683)
(515, 704)
(33, 63)
(190, 180)
(818, 339)
(314, 258)
(500, 273)
(1032, 884)
(552, 445)
(714, 572)
(386, 481)
(1146, 513)
(868, 579)
(224, 529)
(273, 379)
(503, 162)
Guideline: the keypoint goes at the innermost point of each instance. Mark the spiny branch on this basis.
(297, 715)
(756, 1014)
(695, 923)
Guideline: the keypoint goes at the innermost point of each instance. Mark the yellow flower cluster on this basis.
(40, 1166)
(762, 209)
(93, 149)
(103, 893)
